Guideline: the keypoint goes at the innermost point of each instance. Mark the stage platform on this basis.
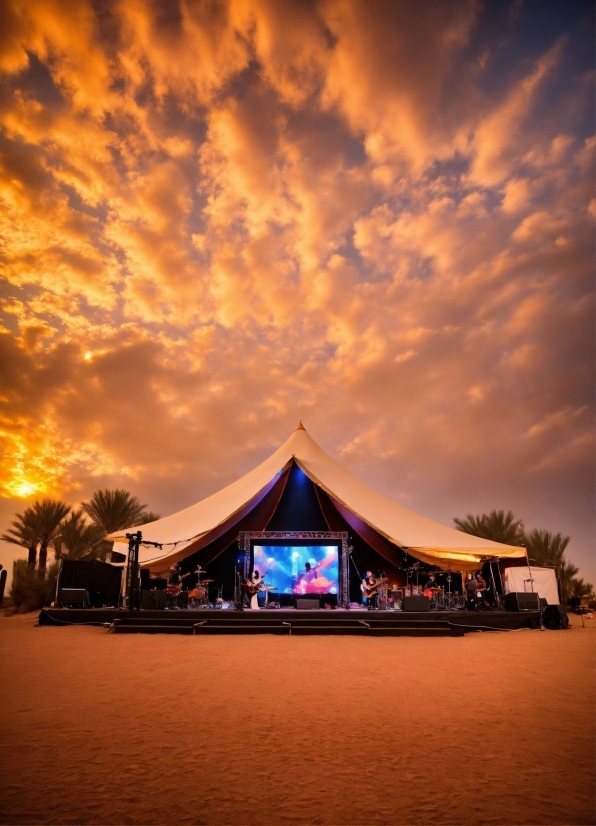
(291, 621)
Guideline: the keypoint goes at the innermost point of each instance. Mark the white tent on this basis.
(379, 520)
(542, 581)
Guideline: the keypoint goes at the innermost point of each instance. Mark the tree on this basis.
(49, 513)
(24, 533)
(77, 539)
(546, 548)
(580, 589)
(566, 572)
(496, 525)
(35, 529)
(114, 510)
(147, 517)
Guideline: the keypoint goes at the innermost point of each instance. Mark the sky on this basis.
(221, 217)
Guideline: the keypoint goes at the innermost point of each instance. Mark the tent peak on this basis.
(299, 426)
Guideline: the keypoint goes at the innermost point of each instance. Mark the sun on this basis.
(23, 488)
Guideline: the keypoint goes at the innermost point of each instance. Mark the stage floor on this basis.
(290, 620)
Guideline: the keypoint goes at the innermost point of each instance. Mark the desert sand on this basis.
(491, 728)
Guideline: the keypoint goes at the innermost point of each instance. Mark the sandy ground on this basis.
(485, 729)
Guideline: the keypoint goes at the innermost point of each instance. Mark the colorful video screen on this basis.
(299, 569)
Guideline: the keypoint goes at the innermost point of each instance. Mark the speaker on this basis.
(416, 604)
(145, 579)
(307, 604)
(154, 600)
(555, 618)
(521, 601)
(73, 596)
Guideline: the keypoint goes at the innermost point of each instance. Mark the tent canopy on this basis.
(366, 510)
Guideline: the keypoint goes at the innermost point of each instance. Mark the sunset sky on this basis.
(221, 216)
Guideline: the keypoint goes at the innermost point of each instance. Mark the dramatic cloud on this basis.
(219, 217)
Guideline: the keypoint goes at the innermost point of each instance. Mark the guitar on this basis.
(370, 592)
(177, 584)
(253, 588)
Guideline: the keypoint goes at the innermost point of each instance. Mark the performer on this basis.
(432, 583)
(369, 583)
(175, 578)
(481, 588)
(255, 581)
(472, 594)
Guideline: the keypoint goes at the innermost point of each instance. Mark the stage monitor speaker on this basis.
(555, 618)
(73, 596)
(154, 600)
(416, 604)
(521, 601)
(307, 604)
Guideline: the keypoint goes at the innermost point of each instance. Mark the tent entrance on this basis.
(299, 563)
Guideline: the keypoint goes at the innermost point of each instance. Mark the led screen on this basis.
(286, 567)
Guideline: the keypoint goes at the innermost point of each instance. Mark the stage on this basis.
(291, 621)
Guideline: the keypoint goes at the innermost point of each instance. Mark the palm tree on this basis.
(49, 513)
(566, 571)
(77, 539)
(580, 589)
(24, 533)
(546, 548)
(147, 517)
(114, 510)
(36, 527)
(496, 525)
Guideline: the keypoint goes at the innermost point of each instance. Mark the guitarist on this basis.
(253, 589)
(370, 591)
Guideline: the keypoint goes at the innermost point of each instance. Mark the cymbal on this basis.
(205, 581)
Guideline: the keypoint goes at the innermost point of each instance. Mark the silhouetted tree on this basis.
(24, 533)
(580, 589)
(114, 510)
(546, 548)
(496, 525)
(77, 539)
(35, 529)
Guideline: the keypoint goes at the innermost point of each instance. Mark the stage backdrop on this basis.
(101, 580)
(545, 582)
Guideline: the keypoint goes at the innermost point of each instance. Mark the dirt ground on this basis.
(490, 728)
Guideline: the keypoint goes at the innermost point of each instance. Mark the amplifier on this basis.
(73, 596)
(555, 617)
(154, 600)
(307, 604)
(416, 604)
(521, 601)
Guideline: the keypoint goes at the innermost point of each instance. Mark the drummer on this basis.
(431, 585)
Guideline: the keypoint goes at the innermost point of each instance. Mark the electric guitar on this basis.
(371, 592)
(253, 588)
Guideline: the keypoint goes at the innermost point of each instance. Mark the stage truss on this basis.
(245, 538)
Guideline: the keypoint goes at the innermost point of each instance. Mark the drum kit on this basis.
(195, 598)
(440, 599)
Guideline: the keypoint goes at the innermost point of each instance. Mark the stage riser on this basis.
(153, 629)
(382, 623)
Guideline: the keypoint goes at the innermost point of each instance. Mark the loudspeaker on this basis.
(73, 596)
(307, 604)
(521, 601)
(154, 600)
(416, 604)
(555, 618)
(145, 579)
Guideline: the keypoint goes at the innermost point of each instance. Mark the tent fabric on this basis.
(195, 527)
(544, 583)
